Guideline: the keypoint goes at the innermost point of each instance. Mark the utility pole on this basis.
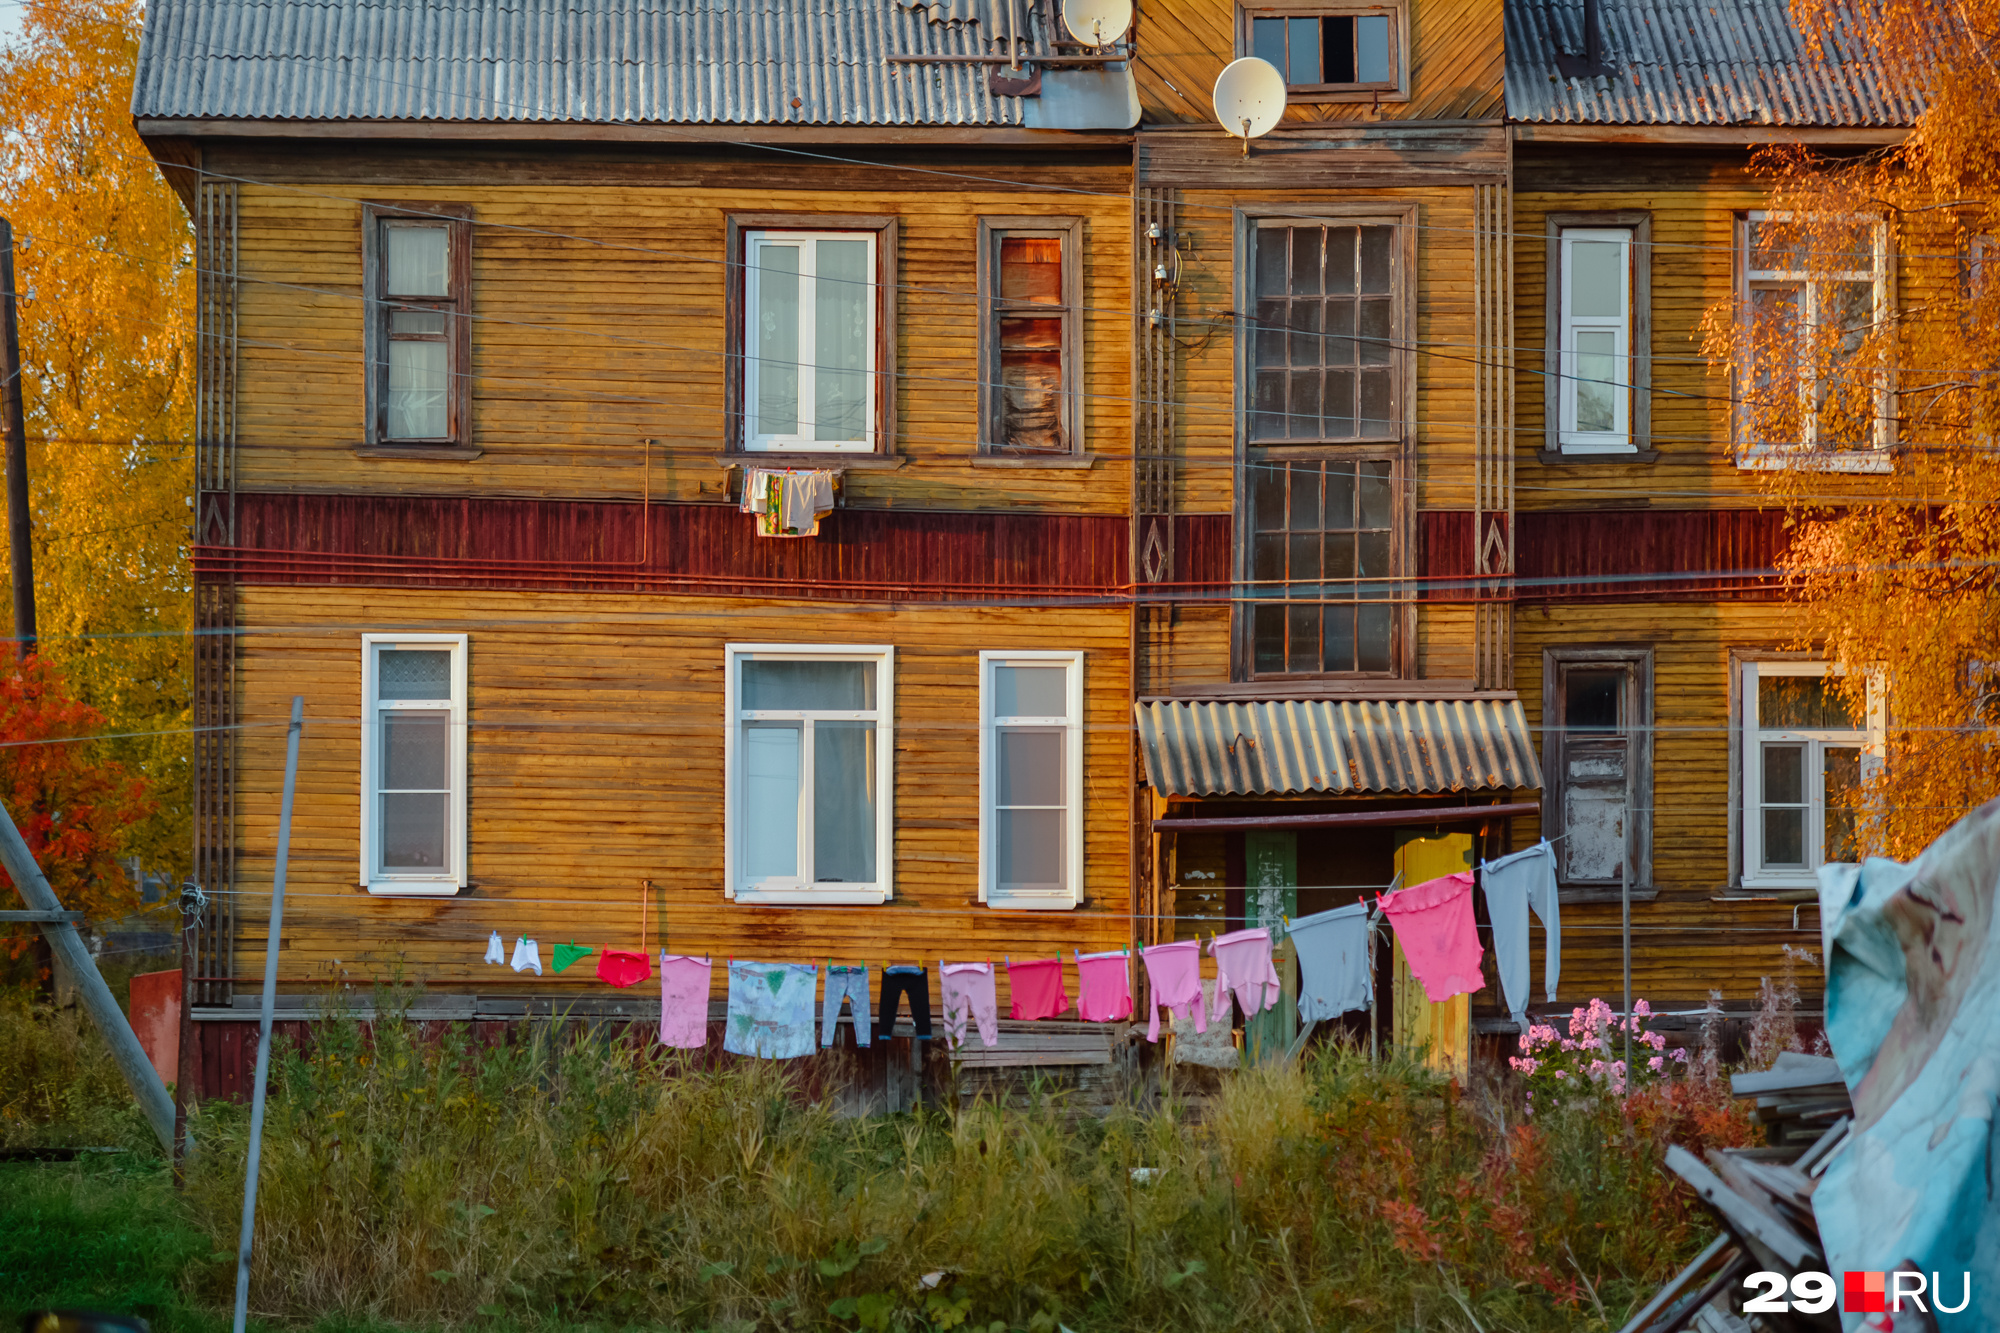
(20, 548)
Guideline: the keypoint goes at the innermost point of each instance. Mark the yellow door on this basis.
(1443, 1031)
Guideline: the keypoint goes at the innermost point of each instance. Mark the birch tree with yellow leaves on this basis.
(104, 267)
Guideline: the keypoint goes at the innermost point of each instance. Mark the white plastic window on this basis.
(1595, 391)
(1031, 779)
(413, 745)
(809, 340)
(809, 777)
(1805, 751)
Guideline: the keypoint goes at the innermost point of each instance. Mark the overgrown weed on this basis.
(59, 1086)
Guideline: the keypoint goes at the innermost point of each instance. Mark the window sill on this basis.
(1035, 460)
(1563, 458)
(1877, 461)
(1644, 893)
(831, 461)
(1023, 903)
(408, 888)
(444, 453)
(856, 897)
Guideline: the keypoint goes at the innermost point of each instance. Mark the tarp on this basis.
(1913, 1014)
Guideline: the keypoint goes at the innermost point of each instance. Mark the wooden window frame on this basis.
(1746, 777)
(1296, 94)
(735, 807)
(1638, 706)
(402, 883)
(1399, 449)
(991, 231)
(1638, 447)
(735, 420)
(1876, 456)
(990, 893)
(375, 324)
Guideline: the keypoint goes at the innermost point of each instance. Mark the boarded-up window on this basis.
(1326, 350)
(1598, 748)
(1321, 557)
(1030, 294)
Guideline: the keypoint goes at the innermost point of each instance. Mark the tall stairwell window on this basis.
(417, 269)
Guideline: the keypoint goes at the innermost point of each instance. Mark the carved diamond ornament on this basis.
(1153, 555)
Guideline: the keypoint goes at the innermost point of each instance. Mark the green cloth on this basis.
(569, 953)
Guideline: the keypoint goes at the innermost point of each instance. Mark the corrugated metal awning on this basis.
(1346, 746)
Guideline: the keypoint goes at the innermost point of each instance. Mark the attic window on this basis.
(1323, 51)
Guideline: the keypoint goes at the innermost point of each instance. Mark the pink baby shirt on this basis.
(1175, 972)
(684, 983)
(1104, 986)
(968, 990)
(1433, 923)
(1036, 988)
(1243, 967)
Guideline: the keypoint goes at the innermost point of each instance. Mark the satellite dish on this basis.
(1249, 98)
(1097, 22)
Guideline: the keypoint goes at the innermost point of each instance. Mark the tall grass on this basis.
(575, 1175)
(59, 1086)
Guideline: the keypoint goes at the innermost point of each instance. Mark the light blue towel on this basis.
(770, 1010)
(1333, 962)
(1513, 885)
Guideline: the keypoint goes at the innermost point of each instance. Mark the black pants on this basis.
(916, 985)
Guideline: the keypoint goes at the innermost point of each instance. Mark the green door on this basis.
(1271, 861)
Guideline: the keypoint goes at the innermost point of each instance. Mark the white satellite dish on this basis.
(1097, 22)
(1249, 98)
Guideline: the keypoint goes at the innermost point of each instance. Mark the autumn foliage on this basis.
(74, 806)
(1867, 389)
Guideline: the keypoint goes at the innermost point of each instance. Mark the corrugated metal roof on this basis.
(1693, 62)
(1272, 747)
(595, 61)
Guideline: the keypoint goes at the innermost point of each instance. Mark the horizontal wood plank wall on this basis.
(1693, 200)
(596, 761)
(1685, 944)
(1457, 63)
(600, 323)
(1615, 554)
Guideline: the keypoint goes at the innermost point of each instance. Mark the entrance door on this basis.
(1271, 862)
(1444, 1031)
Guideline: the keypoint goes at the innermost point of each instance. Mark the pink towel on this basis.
(1433, 923)
(1104, 987)
(684, 983)
(1243, 968)
(1175, 972)
(968, 990)
(1036, 987)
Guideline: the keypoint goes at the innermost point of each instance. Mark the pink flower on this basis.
(1642, 1009)
(1562, 1073)
(1525, 1066)
(1657, 1063)
(1681, 1054)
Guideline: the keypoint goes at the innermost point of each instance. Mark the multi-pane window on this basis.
(1813, 299)
(1597, 753)
(1031, 779)
(1320, 558)
(1596, 332)
(413, 763)
(1030, 290)
(1326, 363)
(1349, 51)
(809, 340)
(419, 275)
(808, 774)
(1802, 765)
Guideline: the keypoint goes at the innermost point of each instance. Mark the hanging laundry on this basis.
(849, 984)
(1104, 986)
(569, 953)
(622, 967)
(496, 950)
(1243, 969)
(898, 982)
(763, 496)
(1333, 962)
(968, 992)
(1210, 1046)
(1175, 973)
(1433, 922)
(527, 956)
(1035, 988)
(684, 984)
(770, 1010)
(787, 503)
(1513, 885)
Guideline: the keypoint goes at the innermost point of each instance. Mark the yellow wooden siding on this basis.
(612, 331)
(1457, 63)
(1692, 270)
(1681, 949)
(596, 761)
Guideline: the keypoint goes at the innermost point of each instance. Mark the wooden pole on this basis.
(273, 936)
(59, 928)
(20, 532)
